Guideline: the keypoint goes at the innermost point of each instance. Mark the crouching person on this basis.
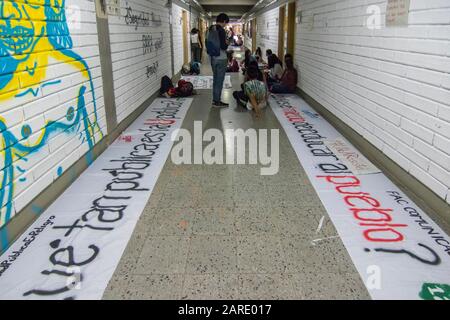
(254, 92)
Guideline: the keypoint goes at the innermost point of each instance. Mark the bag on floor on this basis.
(185, 88)
(213, 42)
(186, 69)
(195, 68)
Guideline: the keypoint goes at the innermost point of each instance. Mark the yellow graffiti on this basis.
(34, 41)
(33, 70)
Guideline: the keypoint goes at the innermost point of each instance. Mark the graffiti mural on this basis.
(37, 60)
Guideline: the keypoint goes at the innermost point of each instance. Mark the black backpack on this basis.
(213, 42)
(195, 68)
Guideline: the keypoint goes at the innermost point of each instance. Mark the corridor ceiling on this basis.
(234, 8)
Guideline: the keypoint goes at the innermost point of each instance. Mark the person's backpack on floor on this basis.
(186, 69)
(190, 69)
(195, 68)
(213, 42)
(185, 88)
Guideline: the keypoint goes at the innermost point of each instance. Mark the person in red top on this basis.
(288, 82)
(233, 65)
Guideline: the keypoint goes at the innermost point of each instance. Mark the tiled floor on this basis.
(226, 232)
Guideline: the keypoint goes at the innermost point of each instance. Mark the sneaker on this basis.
(220, 104)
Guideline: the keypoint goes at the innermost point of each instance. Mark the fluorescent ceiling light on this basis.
(270, 3)
(259, 3)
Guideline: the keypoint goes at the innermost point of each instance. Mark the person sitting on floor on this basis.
(254, 94)
(254, 64)
(240, 96)
(275, 71)
(233, 65)
(239, 42)
(247, 59)
(256, 91)
(288, 81)
(258, 54)
(260, 58)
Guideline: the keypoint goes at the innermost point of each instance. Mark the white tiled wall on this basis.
(247, 39)
(267, 31)
(193, 20)
(50, 80)
(140, 53)
(178, 37)
(392, 84)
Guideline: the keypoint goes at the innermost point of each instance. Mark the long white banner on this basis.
(73, 248)
(206, 82)
(399, 252)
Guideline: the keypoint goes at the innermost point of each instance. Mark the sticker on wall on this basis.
(397, 13)
(73, 248)
(298, 17)
(206, 82)
(399, 252)
(113, 7)
(101, 9)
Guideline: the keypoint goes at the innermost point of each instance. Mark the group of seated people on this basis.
(262, 79)
(237, 41)
(233, 65)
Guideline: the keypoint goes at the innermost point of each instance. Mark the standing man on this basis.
(196, 45)
(217, 46)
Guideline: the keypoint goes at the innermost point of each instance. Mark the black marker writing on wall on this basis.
(159, 42)
(141, 19)
(150, 45)
(153, 69)
(156, 21)
(147, 42)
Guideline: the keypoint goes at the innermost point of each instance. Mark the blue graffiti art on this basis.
(34, 37)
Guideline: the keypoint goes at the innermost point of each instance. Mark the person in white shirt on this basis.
(196, 45)
(275, 70)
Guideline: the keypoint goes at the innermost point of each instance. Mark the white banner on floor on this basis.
(357, 163)
(73, 248)
(397, 249)
(206, 82)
